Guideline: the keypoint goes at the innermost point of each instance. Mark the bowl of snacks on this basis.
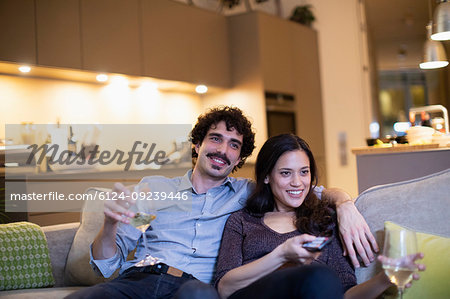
(420, 135)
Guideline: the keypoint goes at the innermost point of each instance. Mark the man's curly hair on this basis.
(234, 118)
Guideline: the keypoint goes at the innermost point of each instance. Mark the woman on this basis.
(282, 214)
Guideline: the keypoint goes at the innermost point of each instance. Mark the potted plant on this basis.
(303, 15)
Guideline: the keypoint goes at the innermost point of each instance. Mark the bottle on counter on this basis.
(426, 121)
(71, 142)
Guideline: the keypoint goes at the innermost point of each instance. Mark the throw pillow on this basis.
(78, 270)
(433, 282)
(24, 257)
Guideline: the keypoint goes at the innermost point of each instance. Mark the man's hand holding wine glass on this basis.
(118, 210)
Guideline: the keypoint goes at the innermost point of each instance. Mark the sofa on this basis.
(421, 204)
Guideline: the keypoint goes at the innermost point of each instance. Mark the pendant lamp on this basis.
(434, 53)
(441, 26)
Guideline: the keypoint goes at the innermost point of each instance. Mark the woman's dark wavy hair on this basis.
(234, 118)
(314, 216)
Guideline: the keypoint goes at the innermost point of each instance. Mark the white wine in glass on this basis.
(142, 221)
(399, 246)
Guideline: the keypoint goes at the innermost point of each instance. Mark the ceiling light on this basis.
(201, 89)
(441, 26)
(102, 78)
(434, 54)
(25, 69)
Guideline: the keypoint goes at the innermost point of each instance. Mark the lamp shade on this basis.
(441, 26)
(434, 55)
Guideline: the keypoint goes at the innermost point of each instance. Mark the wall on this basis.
(345, 83)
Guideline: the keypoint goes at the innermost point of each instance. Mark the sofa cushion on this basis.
(59, 240)
(78, 270)
(433, 282)
(25, 261)
(421, 204)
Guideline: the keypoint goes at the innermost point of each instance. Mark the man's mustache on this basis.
(220, 156)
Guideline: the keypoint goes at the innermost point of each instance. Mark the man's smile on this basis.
(218, 159)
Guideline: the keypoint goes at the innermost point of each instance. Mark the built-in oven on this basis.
(280, 109)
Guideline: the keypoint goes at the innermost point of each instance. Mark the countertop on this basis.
(398, 148)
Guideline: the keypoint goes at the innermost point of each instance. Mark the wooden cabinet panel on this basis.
(166, 31)
(210, 52)
(17, 34)
(276, 53)
(110, 33)
(58, 33)
(185, 43)
(306, 77)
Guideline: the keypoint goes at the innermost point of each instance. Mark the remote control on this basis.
(317, 244)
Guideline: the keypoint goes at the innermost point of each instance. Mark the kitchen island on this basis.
(385, 165)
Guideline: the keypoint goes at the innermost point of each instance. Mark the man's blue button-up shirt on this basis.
(185, 234)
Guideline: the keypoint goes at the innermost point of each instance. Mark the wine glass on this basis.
(400, 245)
(142, 221)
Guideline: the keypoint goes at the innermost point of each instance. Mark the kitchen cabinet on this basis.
(17, 34)
(58, 33)
(157, 38)
(307, 88)
(110, 36)
(275, 55)
(184, 43)
(210, 55)
(166, 27)
(276, 46)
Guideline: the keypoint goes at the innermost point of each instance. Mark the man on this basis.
(188, 241)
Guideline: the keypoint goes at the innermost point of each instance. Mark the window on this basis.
(399, 91)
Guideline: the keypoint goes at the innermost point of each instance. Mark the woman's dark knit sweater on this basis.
(246, 238)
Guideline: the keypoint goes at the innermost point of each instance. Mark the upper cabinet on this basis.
(157, 38)
(166, 31)
(210, 49)
(184, 43)
(18, 31)
(58, 33)
(306, 78)
(276, 46)
(110, 36)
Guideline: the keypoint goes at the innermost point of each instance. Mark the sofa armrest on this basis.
(59, 240)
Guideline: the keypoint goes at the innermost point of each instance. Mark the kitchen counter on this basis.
(376, 166)
(367, 150)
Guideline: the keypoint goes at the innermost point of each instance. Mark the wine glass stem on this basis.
(400, 293)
